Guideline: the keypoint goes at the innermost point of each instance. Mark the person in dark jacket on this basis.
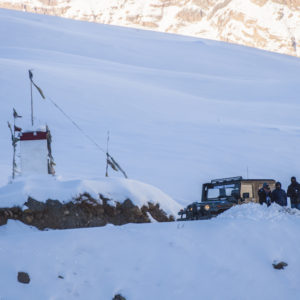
(264, 194)
(279, 195)
(294, 193)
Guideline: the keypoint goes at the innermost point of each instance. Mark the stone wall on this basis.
(83, 211)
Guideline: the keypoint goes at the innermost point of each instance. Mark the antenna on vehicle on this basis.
(247, 172)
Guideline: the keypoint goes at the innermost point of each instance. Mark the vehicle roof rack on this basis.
(222, 180)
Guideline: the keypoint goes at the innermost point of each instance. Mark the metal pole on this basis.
(14, 145)
(31, 103)
(106, 173)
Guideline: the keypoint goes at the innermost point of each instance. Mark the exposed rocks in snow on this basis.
(9, 213)
(156, 212)
(279, 266)
(83, 211)
(3, 218)
(119, 297)
(23, 277)
(101, 191)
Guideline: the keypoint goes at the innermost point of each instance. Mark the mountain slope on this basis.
(267, 24)
(180, 110)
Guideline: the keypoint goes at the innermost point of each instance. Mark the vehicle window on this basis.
(213, 193)
(229, 191)
(247, 188)
(222, 191)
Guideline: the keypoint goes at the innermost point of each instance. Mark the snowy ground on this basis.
(229, 257)
(42, 188)
(180, 110)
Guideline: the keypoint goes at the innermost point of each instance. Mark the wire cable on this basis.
(77, 126)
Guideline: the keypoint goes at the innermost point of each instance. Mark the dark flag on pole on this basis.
(110, 163)
(17, 128)
(38, 88)
(114, 165)
(15, 114)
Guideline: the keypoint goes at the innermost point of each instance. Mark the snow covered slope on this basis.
(225, 258)
(180, 110)
(267, 24)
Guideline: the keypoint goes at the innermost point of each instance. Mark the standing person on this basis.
(279, 195)
(264, 194)
(294, 193)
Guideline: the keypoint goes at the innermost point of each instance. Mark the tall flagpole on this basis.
(31, 103)
(107, 158)
(14, 164)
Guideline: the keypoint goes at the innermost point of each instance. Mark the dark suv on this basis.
(221, 194)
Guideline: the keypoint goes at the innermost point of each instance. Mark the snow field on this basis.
(229, 257)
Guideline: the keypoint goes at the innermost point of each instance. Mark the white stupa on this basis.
(35, 152)
(35, 143)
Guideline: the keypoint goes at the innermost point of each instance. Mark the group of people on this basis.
(279, 196)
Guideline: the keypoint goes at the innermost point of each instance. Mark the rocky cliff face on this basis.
(267, 24)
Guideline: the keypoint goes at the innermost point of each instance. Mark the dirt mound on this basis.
(83, 211)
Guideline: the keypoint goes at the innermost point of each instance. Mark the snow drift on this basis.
(229, 257)
(42, 188)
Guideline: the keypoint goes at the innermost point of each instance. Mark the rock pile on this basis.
(279, 265)
(83, 211)
(119, 297)
(23, 277)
